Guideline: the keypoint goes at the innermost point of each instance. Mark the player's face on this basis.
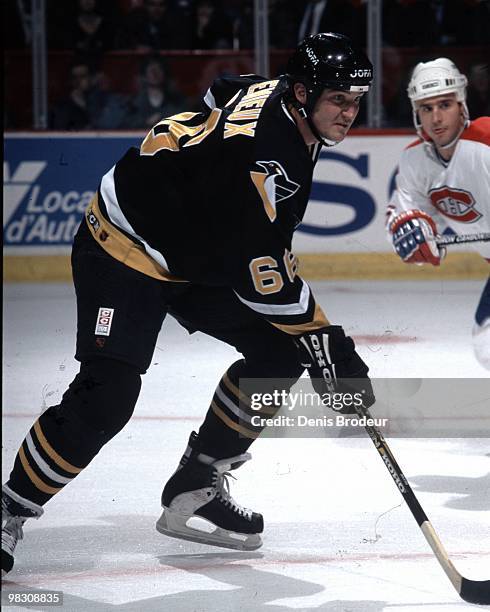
(441, 118)
(334, 113)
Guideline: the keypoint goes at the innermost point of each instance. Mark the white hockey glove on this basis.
(414, 238)
(335, 367)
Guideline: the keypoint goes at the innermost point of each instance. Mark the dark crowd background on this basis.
(124, 64)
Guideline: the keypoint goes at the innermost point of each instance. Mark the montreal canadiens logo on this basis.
(456, 204)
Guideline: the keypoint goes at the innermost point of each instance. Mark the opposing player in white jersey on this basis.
(443, 179)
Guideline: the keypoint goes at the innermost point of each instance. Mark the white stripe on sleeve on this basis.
(281, 309)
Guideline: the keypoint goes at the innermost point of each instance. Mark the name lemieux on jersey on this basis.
(213, 197)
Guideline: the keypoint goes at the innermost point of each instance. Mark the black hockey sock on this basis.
(229, 427)
(65, 438)
(54, 451)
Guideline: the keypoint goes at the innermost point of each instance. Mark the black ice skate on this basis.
(199, 490)
(15, 512)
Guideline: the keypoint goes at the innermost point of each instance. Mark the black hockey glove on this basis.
(335, 367)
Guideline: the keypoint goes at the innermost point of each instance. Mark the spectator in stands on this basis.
(157, 97)
(78, 109)
(84, 26)
(113, 108)
(91, 32)
(211, 27)
(478, 92)
(345, 16)
(156, 25)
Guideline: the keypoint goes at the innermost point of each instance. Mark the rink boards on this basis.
(50, 178)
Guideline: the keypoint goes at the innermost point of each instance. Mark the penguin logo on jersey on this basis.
(273, 185)
(456, 204)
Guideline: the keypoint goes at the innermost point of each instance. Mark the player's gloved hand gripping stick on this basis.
(334, 366)
(414, 238)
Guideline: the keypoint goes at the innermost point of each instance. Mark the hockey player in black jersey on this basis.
(197, 223)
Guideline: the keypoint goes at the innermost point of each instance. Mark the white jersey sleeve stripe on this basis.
(297, 308)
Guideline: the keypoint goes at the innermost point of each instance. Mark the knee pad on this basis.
(102, 395)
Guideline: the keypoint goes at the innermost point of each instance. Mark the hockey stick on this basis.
(462, 239)
(472, 591)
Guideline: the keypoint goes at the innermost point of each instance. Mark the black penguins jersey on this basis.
(213, 198)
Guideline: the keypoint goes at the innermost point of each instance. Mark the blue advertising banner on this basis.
(50, 178)
(48, 181)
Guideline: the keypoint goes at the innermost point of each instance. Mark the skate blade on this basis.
(176, 526)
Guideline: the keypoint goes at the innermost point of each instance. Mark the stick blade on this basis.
(475, 591)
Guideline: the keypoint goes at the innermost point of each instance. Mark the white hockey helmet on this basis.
(435, 78)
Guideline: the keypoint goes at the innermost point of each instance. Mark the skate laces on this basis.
(223, 485)
(220, 481)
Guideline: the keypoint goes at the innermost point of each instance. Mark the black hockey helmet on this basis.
(327, 61)
(330, 61)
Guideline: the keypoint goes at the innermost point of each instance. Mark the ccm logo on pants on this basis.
(104, 321)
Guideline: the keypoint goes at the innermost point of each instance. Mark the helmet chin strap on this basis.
(305, 114)
(456, 138)
(325, 141)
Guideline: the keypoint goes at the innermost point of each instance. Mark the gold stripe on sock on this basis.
(68, 467)
(245, 399)
(234, 389)
(36, 481)
(231, 424)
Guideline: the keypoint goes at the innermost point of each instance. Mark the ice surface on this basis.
(338, 537)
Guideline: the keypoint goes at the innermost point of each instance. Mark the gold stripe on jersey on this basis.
(121, 247)
(231, 424)
(68, 467)
(36, 481)
(166, 134)
(209, 125)
(296, 329)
